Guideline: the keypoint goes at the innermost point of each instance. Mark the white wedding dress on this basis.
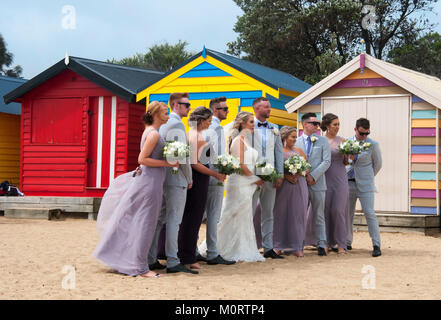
(236, 238)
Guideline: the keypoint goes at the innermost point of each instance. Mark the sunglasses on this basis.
(314, 123)
(364, 133)
(186, 104)
(224, 109)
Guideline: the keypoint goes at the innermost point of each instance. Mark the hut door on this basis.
(102, 137)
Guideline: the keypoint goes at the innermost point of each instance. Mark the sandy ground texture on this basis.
(52, 260)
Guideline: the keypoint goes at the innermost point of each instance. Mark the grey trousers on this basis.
(267, 197)
(173, 205)
(317, 199)
(367, 205)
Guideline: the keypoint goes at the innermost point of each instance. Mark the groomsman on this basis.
(361, 173)
(266, 140)
(175, 189)
(318, 152)
(216, 137)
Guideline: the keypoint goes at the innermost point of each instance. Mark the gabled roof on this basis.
(424, 86)
(121, 80)
(269, 76)
(8, 84)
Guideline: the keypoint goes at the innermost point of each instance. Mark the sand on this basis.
(33, 254)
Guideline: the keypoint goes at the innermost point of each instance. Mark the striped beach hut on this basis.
(210, 74)
(81, 126)
(404, 109)
(10, 133)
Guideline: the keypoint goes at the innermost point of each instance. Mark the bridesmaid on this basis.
(337, 193)
(290, 210)
(199, 120)
(130, 207)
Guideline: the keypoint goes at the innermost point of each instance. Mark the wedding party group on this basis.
(257, 186)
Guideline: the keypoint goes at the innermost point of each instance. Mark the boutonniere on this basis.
(276, 131)
(314, 139)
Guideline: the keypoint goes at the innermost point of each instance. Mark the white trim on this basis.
(112, 141)
(99, 150)
(368, 96)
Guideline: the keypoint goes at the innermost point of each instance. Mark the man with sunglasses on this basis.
(318, 153)
(361, 173)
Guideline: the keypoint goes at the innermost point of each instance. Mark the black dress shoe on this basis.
(199, 257)
(220, 260)
(181, 268)
(271, 254)
(321, 251)
(376, 252)
(348, 247)
(156, 266)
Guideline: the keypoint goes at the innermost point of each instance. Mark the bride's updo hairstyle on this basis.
(286, 131)
(241, 118)
(153, 108)
(198, 115)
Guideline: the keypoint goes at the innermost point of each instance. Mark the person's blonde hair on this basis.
(241, 118)
(153, 108)
(286, 131)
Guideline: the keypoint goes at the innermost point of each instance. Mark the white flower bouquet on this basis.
(227, 164)
(266, 172)
(296, 164)
(176, 151)
(353, 147)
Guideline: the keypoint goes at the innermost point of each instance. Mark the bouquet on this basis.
(227, 164)
(353, 147)
(176, 151)
(296, 164)
(266, 172)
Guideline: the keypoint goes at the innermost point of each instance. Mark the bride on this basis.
(236, 238)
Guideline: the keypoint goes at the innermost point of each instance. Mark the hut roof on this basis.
(121, 80)
(8, 84)
(422, 85)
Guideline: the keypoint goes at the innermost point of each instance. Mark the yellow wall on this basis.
(10, 148)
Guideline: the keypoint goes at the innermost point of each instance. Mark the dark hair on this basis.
(364, 123)
(216, 101)
(260, 99)
(308, 115)
(153, 108)
(198, 115)
(327, 120)
(177, 96)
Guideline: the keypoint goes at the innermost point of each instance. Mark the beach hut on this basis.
(10, 133)
(403, 108)
(210, 74)
(80, 125)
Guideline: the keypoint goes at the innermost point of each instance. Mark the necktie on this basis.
(308, 147)
(351, 172)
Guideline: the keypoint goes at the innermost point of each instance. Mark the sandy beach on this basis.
(52, 260)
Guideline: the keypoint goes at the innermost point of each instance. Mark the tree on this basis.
(423, 55)
(162, 57)
(6, 59)
(311, 39)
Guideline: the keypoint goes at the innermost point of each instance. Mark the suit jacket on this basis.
(367, 166)
(319, 158)
(174, 130)
(215, 137)
(272, 151)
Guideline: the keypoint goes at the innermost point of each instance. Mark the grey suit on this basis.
(319, 158)
(215, 136)
(366, 167)
(175, 195)
(269, 146)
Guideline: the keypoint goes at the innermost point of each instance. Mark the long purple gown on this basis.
(337, 197)
(290, 213)
(128, 216)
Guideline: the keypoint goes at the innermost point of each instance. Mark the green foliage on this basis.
(161, 57)
(6, 59)
(423, 55)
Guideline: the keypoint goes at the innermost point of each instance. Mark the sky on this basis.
(39, 33)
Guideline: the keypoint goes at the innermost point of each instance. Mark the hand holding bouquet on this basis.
(176, 151)
(266, 172)
(227, 164)
(296, 164)
(353, 147)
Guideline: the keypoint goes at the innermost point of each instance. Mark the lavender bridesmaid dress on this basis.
(128, 216)
(290, 213)
(337, 196)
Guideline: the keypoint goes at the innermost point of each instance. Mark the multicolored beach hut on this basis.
(403, 107)
(81, 126)
(10, 133)
(210, 74)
